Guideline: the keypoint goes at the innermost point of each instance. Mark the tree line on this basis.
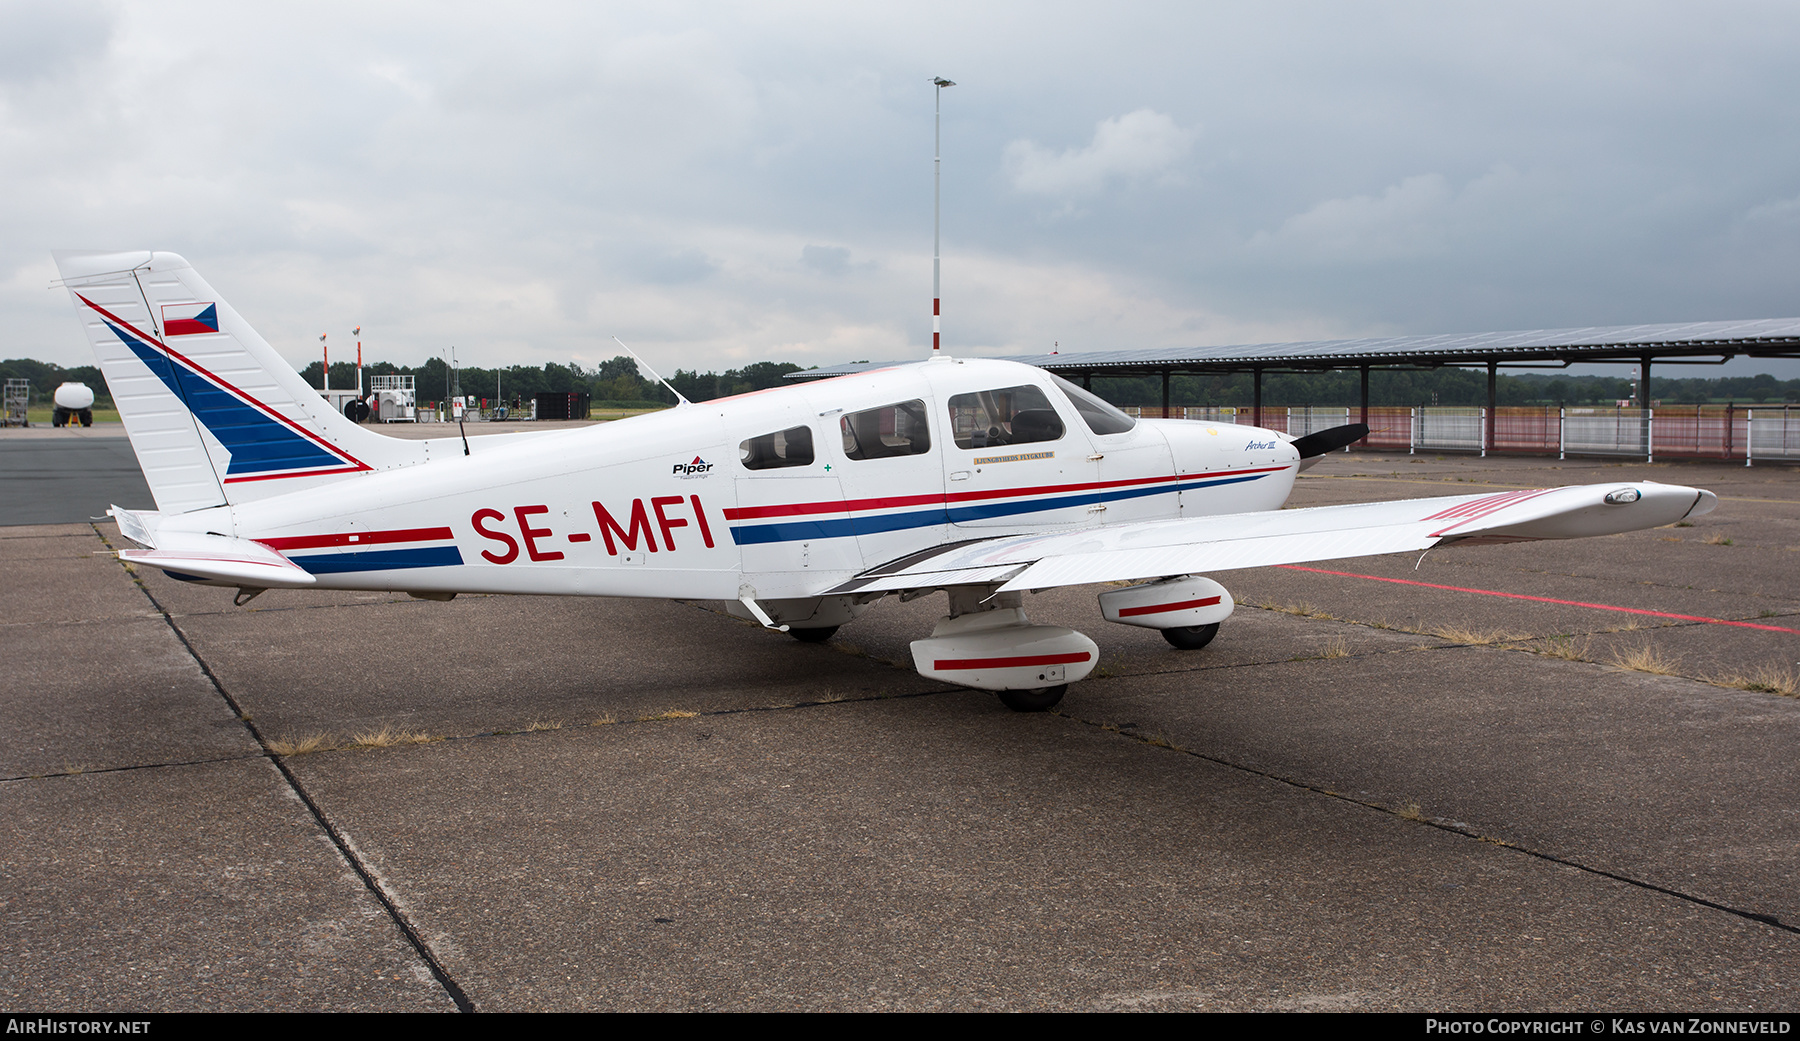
(616, 383)
(613, 383)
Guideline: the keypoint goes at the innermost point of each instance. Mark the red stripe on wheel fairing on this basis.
(1024, 661)
(1205, 601)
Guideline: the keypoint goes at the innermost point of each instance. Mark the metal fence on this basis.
(1772, 434)
(1452, 429)
(1685, 431)
(1309, 420)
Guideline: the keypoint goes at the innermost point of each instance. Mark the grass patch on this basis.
(1766, 679)
(1646, 659)
(1716, 540)
(301, 746)
(1412, 811)
(1336, 647)
(1565, 647)
(1684, 524)
(388, 737)
(671, 714)
(41, 415)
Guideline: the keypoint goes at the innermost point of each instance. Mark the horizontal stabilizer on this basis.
(222, 560)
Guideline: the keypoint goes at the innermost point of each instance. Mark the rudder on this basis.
(215, 415)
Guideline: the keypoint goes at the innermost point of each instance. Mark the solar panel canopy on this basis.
(1760, 338)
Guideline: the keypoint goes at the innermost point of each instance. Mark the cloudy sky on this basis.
(725, 183)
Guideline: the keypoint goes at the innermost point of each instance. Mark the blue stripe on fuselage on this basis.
(380, 560)
(793, 531)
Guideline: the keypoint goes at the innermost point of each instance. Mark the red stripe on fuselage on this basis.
(901, 501)
(358, 538)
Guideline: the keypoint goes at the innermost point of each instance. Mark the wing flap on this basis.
(977, 576)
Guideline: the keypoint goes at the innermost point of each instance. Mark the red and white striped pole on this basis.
(937, 161)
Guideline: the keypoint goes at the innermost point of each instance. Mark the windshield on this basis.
(1100, 417)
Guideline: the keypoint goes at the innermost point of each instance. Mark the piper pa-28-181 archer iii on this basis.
(797, 507)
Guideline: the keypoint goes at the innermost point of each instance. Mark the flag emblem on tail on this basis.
(189, 319)
(263, 444)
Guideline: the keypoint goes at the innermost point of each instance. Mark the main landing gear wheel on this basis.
(818, 635)
(1191, 637)
(1040, 700)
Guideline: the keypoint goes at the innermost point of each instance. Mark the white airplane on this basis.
(798, 507)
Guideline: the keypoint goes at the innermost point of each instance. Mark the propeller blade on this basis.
(1330, 440)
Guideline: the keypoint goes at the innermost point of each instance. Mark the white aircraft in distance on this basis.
(798, 507)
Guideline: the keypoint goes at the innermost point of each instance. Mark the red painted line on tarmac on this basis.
(1547, 600)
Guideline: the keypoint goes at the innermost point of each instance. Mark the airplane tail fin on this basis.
(215, 415)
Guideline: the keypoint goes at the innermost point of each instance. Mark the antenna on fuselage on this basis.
(457, 405)
(678, 395)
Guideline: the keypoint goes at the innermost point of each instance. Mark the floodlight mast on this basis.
(937, 162)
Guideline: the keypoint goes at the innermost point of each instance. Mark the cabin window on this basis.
(1100, 417)
(1012, 416)
(891, 430)
(790, 447)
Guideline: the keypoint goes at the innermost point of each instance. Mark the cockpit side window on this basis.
(891, 430)
(1008, 416)
(1100, 417)
(790, 447)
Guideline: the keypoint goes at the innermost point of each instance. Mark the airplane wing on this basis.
(1201, 545)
